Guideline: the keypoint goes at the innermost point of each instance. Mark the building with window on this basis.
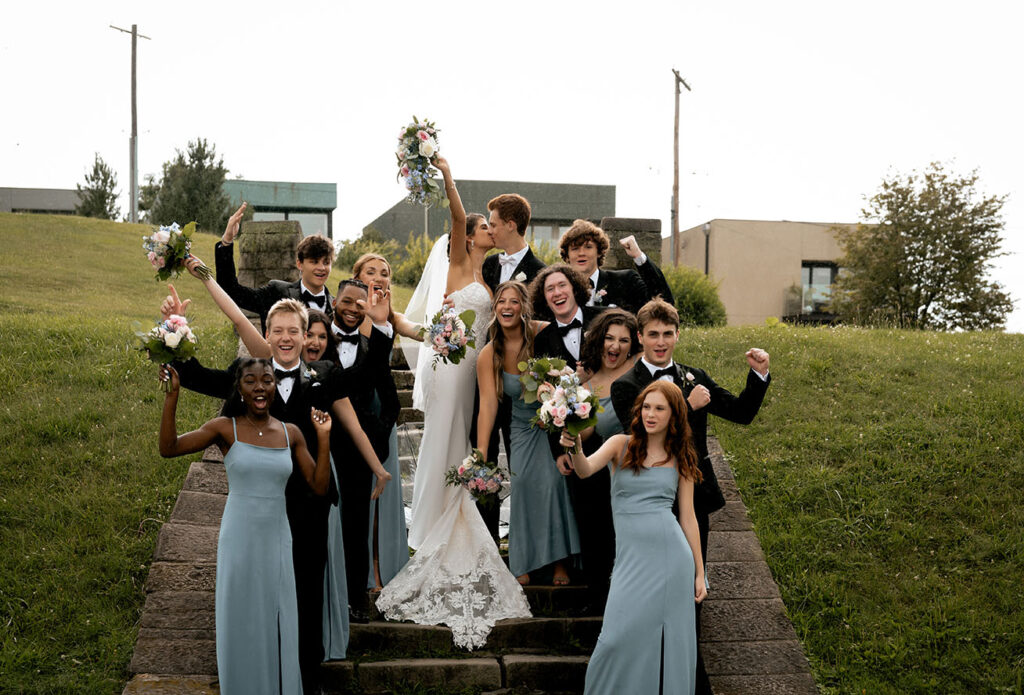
(555, 206)
(310, 204)
(764, 268)
(47, 201)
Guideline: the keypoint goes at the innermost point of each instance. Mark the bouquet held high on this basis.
(168, 248)
(169, 340)
(417, 146)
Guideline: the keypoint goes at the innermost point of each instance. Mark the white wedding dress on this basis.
(456, 578)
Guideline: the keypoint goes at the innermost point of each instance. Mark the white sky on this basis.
(798, 109)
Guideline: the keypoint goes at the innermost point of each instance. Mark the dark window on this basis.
(817, 279)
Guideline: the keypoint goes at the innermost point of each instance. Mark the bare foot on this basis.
(523, 579)
(561, 577)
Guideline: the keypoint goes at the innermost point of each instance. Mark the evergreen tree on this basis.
(98, 197)
(191, 188)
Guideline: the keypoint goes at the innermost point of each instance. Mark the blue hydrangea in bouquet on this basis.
(483, 479)
(449, 334)
(168, 248)
(565, 404)
(169, 340)
(417, 146)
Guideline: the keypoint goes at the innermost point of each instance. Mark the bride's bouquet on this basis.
(169, 340)
(417, 145)
(564, 403)
(449, 334)
(483, 480)
(168, 248)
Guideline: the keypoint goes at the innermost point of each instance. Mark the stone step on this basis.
(409, 415)
(404, 379)
(546, 600)
(405, 398)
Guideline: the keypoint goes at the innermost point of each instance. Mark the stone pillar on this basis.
(266, 251)
(648, 237)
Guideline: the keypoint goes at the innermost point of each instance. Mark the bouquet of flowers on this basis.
(564, 403)
(482, 479)
(169, 340)
(168, 248)
(450, 334)
(417, 145)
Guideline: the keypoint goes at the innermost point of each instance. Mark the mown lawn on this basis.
(883, 476)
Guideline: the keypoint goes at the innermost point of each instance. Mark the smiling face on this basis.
(655, 412)
(347, 313)
(583, 257)
(508, 308)
(314, 272)
(659, 341)
(316, 342)
(558, 293)
(286, 335)
(257, 387)
(617, 342)
(375, 274)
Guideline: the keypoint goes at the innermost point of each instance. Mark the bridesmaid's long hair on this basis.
(357, 268)
(678, 438)
(233, 406)
(331, 349)
(497, 336)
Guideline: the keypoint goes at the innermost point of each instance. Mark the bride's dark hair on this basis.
(497, 335)
(473, 221)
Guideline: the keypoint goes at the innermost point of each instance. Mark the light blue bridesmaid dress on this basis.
(335, 621)
(542, 526)
(256, 611)
(648, 634)
(392, 537)
(608, 423)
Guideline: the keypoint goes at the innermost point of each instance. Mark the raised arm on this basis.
(170, 443)
(346, 415)
(317, 473)
(688, 522)
(586, 466)
(458, 213)
(255, 343)
(488, 397)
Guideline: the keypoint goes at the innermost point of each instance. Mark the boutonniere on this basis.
(599, 296)
(520, 277)
(688, 379)
(312, 375)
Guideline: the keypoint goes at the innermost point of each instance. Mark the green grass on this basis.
(883, 476)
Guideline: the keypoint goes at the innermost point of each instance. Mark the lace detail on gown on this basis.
(456, 578)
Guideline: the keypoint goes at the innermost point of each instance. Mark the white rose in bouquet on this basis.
(171, 340)
(428, 148)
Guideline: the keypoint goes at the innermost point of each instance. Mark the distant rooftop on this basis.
(54, 201)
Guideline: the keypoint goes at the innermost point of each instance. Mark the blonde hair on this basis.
(288, 306)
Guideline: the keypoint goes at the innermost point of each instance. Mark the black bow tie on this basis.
(347, 338)
(564, 330)
(317, 299)
(280, 374)
(669, 371)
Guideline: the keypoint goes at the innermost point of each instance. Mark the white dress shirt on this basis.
(652, 368)
(321, 293)
(508, 263)
(572, 339)
(346, 351)
(285, 386)
(593, 286)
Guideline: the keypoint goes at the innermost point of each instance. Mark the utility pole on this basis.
(133, 141)
(675, 172)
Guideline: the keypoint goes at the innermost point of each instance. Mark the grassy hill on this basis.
(883, 476)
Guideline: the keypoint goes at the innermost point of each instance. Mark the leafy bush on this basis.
(696, 297)
(370, 241)
(547, 251)
(417, 249)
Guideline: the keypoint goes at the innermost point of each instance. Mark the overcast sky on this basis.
(798, 109)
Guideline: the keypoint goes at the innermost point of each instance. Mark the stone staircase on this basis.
(748, 642)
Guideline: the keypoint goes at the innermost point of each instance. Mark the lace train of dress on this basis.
(456, 578)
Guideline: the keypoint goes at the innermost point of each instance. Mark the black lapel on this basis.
(522, 262)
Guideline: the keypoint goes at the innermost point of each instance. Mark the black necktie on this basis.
(670, 371)
(317, 299)
(564, 330)
(281, 374)
(347, 338)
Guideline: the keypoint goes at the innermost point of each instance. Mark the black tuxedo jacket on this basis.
(259, 299)
(529, 266)
(630, 289)
(548, 343)
(219, 383)
(707, 496)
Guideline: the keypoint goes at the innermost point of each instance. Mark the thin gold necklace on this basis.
(259, 431)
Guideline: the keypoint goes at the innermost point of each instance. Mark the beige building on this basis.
(763, 269)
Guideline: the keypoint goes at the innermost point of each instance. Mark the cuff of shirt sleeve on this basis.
(385, 328)
(641, 259)
(763, 377)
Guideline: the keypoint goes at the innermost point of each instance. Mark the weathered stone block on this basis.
(149, 684)
(788, 684)
(731, 517)
(186, 543)
(170, 656)
(754, 658)
(398, 638)
(547, 673)
(181, 576)
(745, 620)
(648, 237)
(731, 580)
(734, 546)
(453, 674)
(266, 251)
(202, 508)
(204, 476)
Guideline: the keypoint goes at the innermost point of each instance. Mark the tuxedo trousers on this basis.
(356, 486)
(591, 502)
(307, 517)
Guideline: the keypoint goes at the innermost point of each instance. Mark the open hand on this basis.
(234, 223)
(321, 421)
(758, 360)
(377, 305)
(173, 305)
(381, 480)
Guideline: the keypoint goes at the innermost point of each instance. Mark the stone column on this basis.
(266, 251)
(648, 237)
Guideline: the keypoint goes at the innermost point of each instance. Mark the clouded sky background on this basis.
(798, 109)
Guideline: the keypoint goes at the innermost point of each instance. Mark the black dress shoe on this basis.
(357, 615)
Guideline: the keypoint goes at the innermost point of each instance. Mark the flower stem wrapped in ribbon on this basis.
(417, 146)
(169, 340)
(483, 479)
(168, 248)
(449, 334)
(564, 403)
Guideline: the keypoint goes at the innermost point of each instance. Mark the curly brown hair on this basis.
(315, 247)
(580, 233)
(593, 344)
(580, 289)
(512, 207)
(678, 438)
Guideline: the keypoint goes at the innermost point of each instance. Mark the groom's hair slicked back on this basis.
(657, 310)
(512, 207)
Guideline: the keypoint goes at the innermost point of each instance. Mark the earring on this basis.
(472, 244)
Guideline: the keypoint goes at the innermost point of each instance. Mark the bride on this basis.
(456, 578)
